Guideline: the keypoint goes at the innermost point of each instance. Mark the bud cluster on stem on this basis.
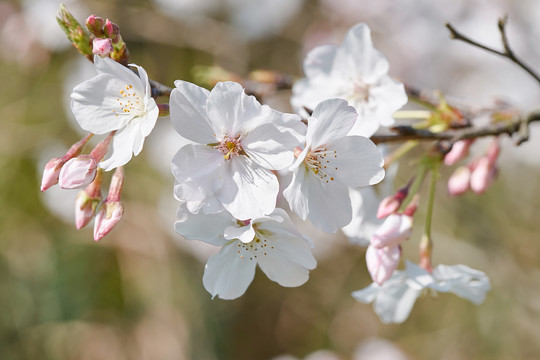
(107, 40)
(51, 173)
(478, 175)
(81, 170)
(111, 211)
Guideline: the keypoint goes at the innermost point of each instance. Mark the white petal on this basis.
(94, 105)
(249, 190)
(390, 96)
(329, 204)
(269, 147)
(309, 94)
(294, 195)
(243, 233)
(124, 143)
(364, 219)
(395, 302)
(332, 119)
(357, 53)
(319, 60)
(367, 122)
(232, 111)
(463, 281)
(188, 112)
(367, 294)
(109, 67)
(289, 263)
(203, 227)
(198, 172)
(149, 121)
(228, 275)
(356, 161)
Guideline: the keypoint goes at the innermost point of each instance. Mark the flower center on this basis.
(360, 91)
(258, 247)
(230, 146)
(319, 161)
(130, 102)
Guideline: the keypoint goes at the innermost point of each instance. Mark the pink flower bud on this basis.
(107, 217)
(112, 210)
(391, 204)
(87, 202)
(94, 24)
(393, 231)
(78, 172)
(102, 47)
(111, 30)
(51, 173)
(459, 151)
(493, 150)
(381, 263)
(458, 182)
(483, 175)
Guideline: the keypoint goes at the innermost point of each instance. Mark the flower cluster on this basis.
(241, 153)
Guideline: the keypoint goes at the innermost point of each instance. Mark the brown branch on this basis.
(518, 126)
(507, 53)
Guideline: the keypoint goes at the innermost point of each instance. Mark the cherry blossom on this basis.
(270, 241)
(356, 72)
(116, 100)
(395, 298)
(330, 163)
(237, 143)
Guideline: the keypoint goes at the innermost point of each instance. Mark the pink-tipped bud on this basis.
(107, 217)
(395, 229)
(381, 263)
(391, 204)
(459, 151)
(483, 175)
(87, 201)
(78, 172)
(426, 248)
(51, 173)
(94, 24)
(111, 30)
(102, 47)
(458, 183)
(112, 210)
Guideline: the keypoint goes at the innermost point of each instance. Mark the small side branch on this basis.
(507, 53)
(518, 126)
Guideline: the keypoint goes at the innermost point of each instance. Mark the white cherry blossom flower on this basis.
(356, 72)
(395, 298)
(116, 100)
(271, 241)
(237, 143)
(330, 163)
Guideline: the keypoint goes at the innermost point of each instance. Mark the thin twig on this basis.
(507, 53)
(517, 126)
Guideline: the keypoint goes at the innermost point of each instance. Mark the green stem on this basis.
(402, 150)
(431, 199)
(422, 171)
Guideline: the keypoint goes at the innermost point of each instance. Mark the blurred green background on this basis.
(138, 293)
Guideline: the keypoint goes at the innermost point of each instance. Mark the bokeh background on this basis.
(138, 293)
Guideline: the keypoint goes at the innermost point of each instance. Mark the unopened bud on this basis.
(391, 204)
(458, 183)
(74, 31)
(381, 263)
(78, 172)
(51, 173)
(459, 151)
(395, 229)
(493, 151)
(426, 247)
(107, 217)
(483, 175)
(111, 30)
(94, 24)
(102, 47)
(87, 201)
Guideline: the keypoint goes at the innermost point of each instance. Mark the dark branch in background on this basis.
(518, 127)
(507, 53)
